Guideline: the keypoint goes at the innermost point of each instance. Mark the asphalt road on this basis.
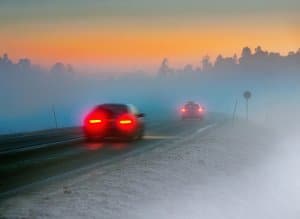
(32, 168)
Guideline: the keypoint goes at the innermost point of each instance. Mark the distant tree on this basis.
(58, 68)
(5, 60)
(225, 64)
(260, 53)
(274, 55)
(258, 50)
(245, 61)
(206, 64)
(24, 64)
(164, 68)
(188, 68)
(219, 59)
(292, 61)
(6, 65)
(246, 52)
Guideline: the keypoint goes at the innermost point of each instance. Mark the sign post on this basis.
(247, 96)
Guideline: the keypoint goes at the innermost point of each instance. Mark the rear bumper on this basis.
(107, 133)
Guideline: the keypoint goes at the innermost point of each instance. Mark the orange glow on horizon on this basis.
(128, 47)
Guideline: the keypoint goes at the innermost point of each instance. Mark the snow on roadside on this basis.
(225, 172)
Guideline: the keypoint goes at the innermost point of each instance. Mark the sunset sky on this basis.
(124, 35)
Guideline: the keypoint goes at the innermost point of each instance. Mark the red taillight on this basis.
(183, 110)
(200, 110)
(95, 121)
(126, 122)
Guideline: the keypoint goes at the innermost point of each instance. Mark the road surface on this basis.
(28, 161)
(183, 169)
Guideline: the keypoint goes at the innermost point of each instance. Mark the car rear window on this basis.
(192, 106)
(114, 109)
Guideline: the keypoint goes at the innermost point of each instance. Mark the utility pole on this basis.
(234, 111)
(54, 116)
(247, 96)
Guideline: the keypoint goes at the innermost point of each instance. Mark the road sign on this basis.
(247, 95)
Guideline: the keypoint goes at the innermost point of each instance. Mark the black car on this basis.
(113, 120)
(192, 110)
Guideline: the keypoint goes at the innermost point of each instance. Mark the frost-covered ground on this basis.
(225, 172)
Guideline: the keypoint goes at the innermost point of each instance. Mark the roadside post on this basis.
(54, 116)
(247, 95)
(234, 111)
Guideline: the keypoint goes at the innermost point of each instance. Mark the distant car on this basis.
(192, 110)
(112, 120)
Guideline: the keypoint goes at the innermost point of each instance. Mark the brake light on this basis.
(200, 109)
(125, 122)
(183, 110)
(95, 121)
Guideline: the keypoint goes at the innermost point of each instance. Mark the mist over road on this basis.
(183, 169)
(42, 157)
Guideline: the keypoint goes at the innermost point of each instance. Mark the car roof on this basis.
(191, 102)
(115, 108)
(113, 104)
(127, 107)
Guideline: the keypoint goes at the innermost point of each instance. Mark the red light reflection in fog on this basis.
(119, 146)
(94, 146)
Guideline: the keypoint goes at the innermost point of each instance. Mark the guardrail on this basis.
(10, 144)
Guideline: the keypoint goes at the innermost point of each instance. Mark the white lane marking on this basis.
(162, 137)
(159, 137)
(206, 127)
(197, 132)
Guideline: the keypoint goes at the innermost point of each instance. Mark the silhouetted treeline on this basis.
(24, 65)
(255, 62)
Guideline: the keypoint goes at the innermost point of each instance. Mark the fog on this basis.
(28, 105)
(29, 93)
(267, 189)
(241, 170)
(251, 172)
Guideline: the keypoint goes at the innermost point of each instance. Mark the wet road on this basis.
(28, 169)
